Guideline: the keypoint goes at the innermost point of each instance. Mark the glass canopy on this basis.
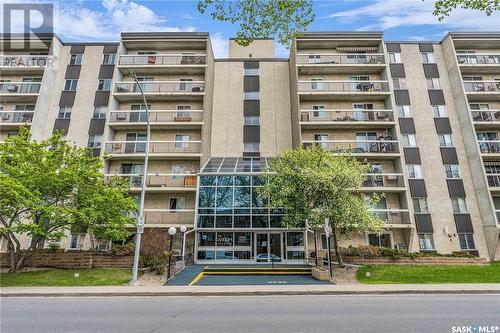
(236, 165)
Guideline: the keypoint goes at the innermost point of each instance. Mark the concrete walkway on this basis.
(253, 290)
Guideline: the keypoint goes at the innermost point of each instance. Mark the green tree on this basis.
(48, 187)
(443, 8)
(262, 18)
(314, 185)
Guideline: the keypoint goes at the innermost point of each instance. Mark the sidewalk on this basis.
(360, 289)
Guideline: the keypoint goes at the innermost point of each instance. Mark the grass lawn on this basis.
(66, 277)
(429, 274)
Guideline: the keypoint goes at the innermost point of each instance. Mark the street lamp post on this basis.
(171, 231)
(140, 222)
(328, 233)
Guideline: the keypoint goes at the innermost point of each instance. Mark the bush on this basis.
(53, 248)
(369, 251)
(156, 263)
(126, 249)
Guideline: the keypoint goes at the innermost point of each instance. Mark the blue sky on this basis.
(103, 20)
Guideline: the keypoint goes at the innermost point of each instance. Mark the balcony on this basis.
(19, 64)
(490, 149)
(344, 90)
(485, 119)
(157, 149)
(19, 91)
(169, 217)
(394, 217)
(14, 119)
(479, 63)
(345, 63)
(346, 118)
(482, 90)
(493, 182)
(159, 182)
(163, 63)
(180, 119)
(160, 90)
(384, 182)
(361, 148)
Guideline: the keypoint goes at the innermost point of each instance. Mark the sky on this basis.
(103, 20)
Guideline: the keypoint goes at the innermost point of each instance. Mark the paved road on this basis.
(395, 313)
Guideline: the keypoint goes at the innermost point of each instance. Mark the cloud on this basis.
(220, 45)
(389, 14)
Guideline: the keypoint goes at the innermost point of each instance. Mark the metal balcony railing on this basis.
(159, 87)
(159, 180)
(162, 59)
(485, 115)
(346, 115)
(393, 215)
(156, 116)
(20, 87)
(384, 180)
(478, 59)
(493, 179)
(489, 146)
(348, 86)
(24, 61)
(155, 147)
(13, 117)
(357, 146)
(482, 86)
(169, 216)
(341, 58)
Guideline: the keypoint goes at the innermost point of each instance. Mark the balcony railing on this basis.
(24, 61)
(161, 87)
(169, 216)
(478, 59)
(155, 147)
(340, 58)
(485, 115)
(482, 86)
(157, 180)
(20, 87)
(13, 117)
(162, 59)
(497, 213)
(156, 116)
(384, 180)
(357, 146)
(393, 215)
(489, 146)
(493, 179)
(348, 86)
(346, 115)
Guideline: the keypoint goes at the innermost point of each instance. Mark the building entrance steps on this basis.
(267, 269)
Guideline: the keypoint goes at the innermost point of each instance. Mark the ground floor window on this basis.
(467, 241)
(383, 240)
(76, 241)
(426, 241)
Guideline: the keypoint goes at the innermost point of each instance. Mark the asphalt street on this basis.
(384, 313)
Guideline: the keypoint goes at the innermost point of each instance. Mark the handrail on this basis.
(165, 141)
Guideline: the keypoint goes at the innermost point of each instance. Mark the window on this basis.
(183, 110)
(251, 72)
(404, 111)
(76, 59)
(324, 245)
(321, 139)
(70, 85)
(251, 147)
(100, 112)
(94, 141)
(414, 171)
(399, 83)
(64, 112)
(146, 52)
(252, 120)
(459, 205)
(185, 84)
(426, 242)
(420, 205)
(452, 171)
(181, 140)
(395, 57)
(383, 240)
(439, 111)
(445, 140)
(433, 84)
(76, 241)
(176, 203)
(316, 83)
(251, 95)
(428, 57)
(314, 58)
(409, 140)
(466, 241)
(178, 169)
(318, 111)
(104, 85)
(109, 59)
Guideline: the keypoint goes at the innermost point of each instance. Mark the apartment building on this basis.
(424, 115)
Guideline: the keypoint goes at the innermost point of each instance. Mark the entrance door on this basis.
(275, 247)
(268, 247)
(261, 247)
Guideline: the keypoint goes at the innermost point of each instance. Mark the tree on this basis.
(262, 18)
(443, 8)
(48, 187)
(314, 185)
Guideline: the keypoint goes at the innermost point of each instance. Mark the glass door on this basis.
(261, 248)
(268, 247)
(275, 247)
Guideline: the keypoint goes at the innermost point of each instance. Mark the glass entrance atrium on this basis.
(234, 223)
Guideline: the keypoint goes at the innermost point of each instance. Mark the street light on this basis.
(140, 222)
(171, 231)
(328, 233)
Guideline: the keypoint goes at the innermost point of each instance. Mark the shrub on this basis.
(126, 249)
(369, 251)
(53, 248)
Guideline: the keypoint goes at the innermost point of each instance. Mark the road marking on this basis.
(196, 279)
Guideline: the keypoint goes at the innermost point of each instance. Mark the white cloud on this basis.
(388, 14)
(220, 45)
